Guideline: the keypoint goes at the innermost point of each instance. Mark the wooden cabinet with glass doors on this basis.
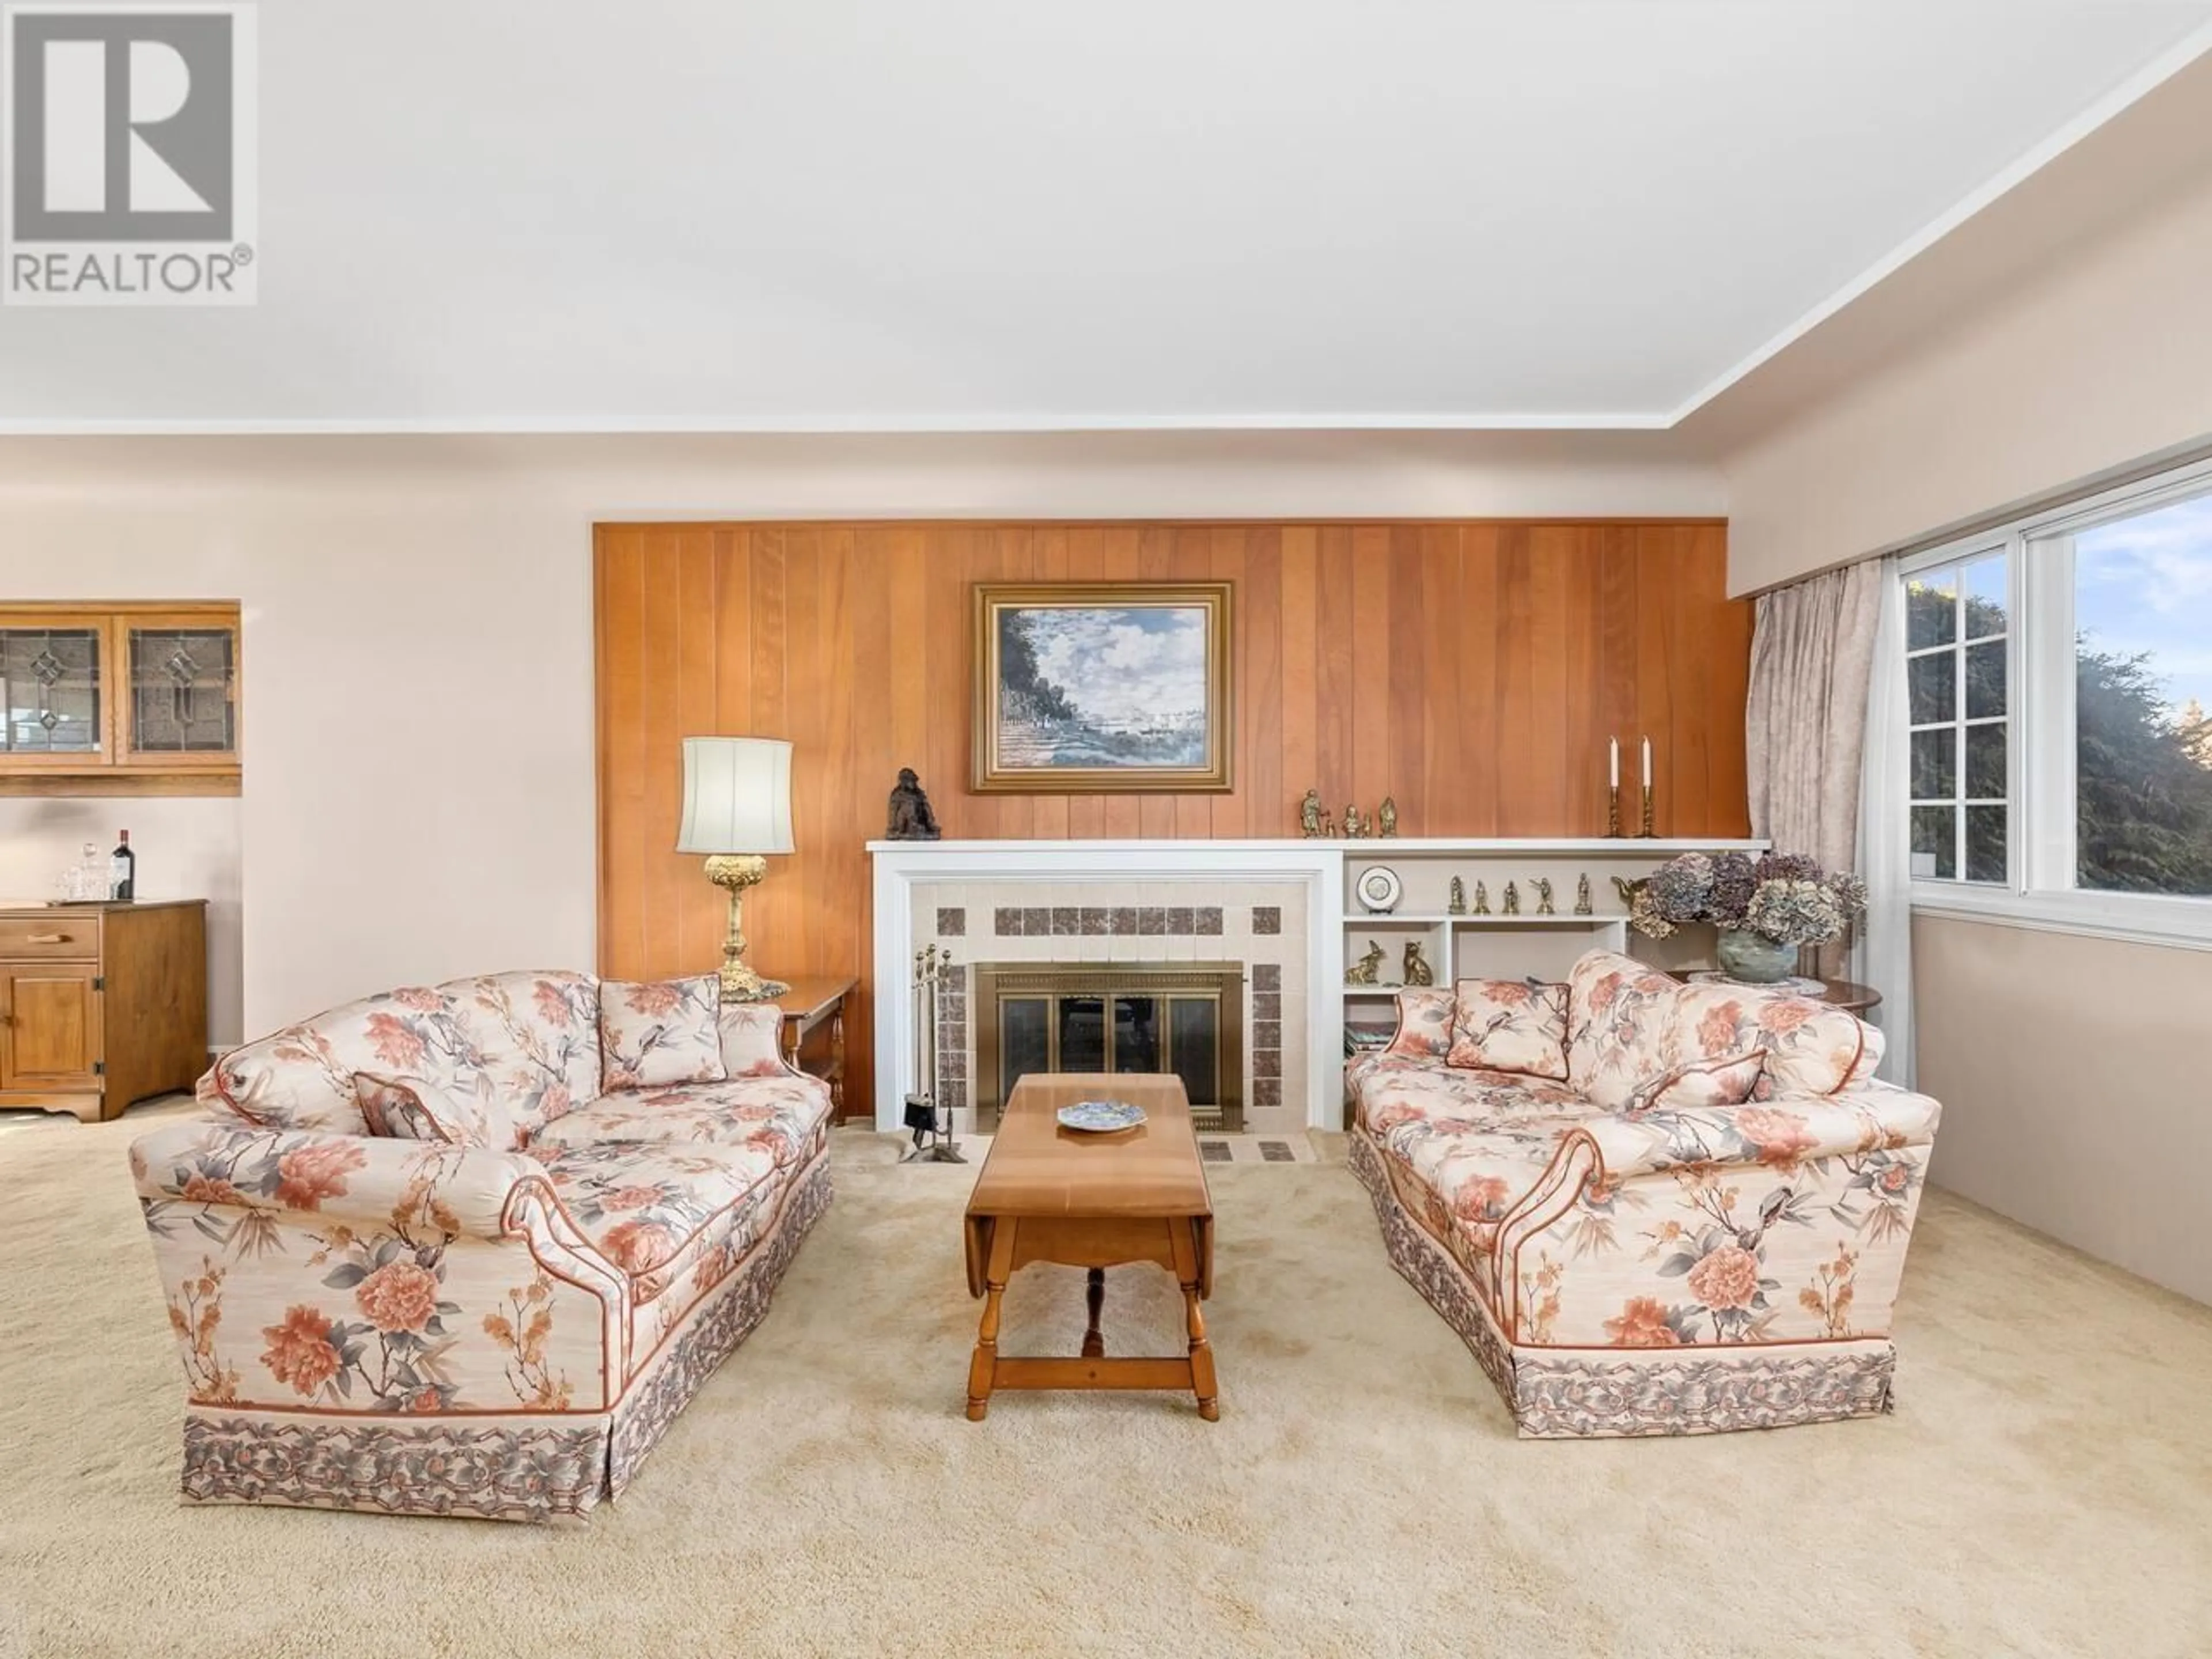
(119, 699)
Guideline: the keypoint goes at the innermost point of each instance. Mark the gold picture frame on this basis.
(1087, 688)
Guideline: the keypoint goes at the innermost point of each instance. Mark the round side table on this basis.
(1847, 994)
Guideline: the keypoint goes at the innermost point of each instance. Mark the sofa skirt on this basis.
(537, 1468)
(1610, 1393)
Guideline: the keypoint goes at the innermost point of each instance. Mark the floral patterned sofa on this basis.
(1647, 1207)
(468, 1249)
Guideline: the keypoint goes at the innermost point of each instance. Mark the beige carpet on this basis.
(2044, 1488)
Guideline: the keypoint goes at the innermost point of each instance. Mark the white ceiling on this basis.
(1012, 214)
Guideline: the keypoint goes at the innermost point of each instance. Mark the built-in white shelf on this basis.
(1619, 846)
(1599, 919)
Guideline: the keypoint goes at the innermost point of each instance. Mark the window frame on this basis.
(1961, 556)
(2040, 890)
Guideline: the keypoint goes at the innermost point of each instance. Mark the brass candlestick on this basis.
(1612, 811)
(1646, 831)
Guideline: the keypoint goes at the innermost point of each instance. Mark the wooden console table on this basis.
(810, 1003)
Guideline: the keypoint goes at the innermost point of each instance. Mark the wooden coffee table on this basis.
(1096, 1202)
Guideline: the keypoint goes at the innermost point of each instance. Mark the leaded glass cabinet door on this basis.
(56, 672)
(180, 711)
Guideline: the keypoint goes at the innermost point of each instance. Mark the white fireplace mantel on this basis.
(1318, 864)
(1211, 864)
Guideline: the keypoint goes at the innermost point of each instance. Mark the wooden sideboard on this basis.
(101, 1005)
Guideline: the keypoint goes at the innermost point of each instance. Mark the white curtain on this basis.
(1883, 955)
(1812, 652)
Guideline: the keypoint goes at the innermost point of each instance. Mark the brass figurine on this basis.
(1583, 896)
(1543, 886)
(1329, 826)
(1388, 819)
(1367, 970)
(1355, 827)
(1482, 898)
(1458, 905)
(1417, 971)
(1512, 900)
(1309, 815)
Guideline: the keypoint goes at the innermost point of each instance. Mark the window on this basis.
(2143, 743)
(2058, 672)
(1955, 672)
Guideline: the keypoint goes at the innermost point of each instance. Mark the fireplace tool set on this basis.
(935, 1139)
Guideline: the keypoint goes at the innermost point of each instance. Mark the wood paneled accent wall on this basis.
(1472, 670)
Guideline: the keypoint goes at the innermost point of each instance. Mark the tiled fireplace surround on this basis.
(1272, 906)
(1262, 924)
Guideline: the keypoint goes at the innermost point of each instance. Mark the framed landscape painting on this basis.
(1085, 688)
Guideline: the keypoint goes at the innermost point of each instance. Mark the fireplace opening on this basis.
(1183, 1018)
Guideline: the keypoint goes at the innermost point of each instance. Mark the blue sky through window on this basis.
(2145, 584)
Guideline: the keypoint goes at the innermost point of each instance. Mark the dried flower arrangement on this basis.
(1785, 897)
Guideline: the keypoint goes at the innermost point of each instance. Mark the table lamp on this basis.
(737, 806)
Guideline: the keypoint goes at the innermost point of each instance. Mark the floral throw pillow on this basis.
(664, 1032)
(1424, 1025)
(416, 1108)
(753, 1040)
(1510, 1025)
(1811, 1048)
(1726, 1081)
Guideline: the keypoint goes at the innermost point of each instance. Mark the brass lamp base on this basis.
(736, 872)
(741, 984)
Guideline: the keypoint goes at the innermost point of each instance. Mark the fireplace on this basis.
(1183, 1018)
(1229, 922)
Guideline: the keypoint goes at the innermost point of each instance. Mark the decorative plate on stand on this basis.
(1100, 1117)
(1379, 888)
(1795, 985)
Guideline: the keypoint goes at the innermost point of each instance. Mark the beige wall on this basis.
(417, 725)
(188, 848)
(2059, 340)
(2094, 362)
(2073, 1085)
(419, 769)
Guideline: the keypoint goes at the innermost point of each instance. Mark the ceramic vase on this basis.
(1755, 958)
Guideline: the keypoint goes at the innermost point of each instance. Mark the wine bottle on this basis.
(122, 871)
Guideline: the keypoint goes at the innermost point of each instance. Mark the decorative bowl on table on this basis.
(1100, 1117)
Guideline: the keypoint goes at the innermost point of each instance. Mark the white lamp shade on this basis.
(737, 796)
